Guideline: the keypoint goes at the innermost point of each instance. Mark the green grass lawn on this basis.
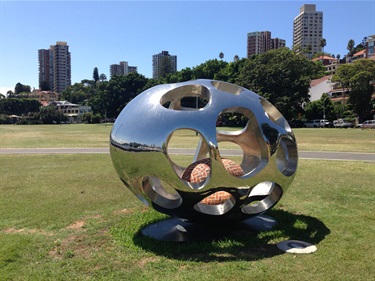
(97, 135)
(69, 217)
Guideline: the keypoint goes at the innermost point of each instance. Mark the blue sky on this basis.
(101, 33)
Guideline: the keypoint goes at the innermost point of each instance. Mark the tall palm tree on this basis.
(323, 43)
(350, 46)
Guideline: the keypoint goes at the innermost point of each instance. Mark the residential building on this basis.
(122, 68)
(163, 62)
(259, 42)
(45, 70)
(55, 67)
(330, 63)
(308, 30)
(358, 55)
(73, 111)
(277, 43)
(44, 97)
(370, 47)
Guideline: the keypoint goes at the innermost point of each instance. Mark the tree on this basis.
(221, 55)
(350, 47)
(323, 43)
(20, 88)
(95, 75)
(18, 106)
(111, 97)
(77, 93)
(165, 66)
(49, 115)
(103, 77)
(358, 77)
(282, 77)
(44, 86)
(209, 69)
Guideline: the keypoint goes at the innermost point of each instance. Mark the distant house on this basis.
(359, 55)
(324, 85)
(320, 86)
(330, 63)
(73, 111)
(44, 97)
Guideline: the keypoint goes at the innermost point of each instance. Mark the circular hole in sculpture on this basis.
(242, 136)
(184, 142)
(274, 115)
(286, 157)
(197, 173)
(262, 197)
(161, 193)
(187, 97)
(227, 87)
(217, 203)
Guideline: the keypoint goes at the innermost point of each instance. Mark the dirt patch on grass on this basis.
(11, 230)
(143, 262)
(76, 225)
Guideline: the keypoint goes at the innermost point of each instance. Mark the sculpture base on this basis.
(176, 230)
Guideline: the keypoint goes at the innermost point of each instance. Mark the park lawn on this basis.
(97, 135)
(69, 217)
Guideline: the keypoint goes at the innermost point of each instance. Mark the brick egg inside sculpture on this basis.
(211, 186)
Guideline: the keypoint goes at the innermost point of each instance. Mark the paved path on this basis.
(347, 156)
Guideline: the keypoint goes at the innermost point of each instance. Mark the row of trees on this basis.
(281, 76)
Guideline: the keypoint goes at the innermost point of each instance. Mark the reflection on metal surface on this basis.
(209, 188)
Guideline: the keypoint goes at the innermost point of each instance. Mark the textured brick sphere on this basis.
(198, 172)
(211, 188)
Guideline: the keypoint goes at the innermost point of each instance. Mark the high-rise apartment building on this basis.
(308, 30)
(122, 68)
(55, 67)
(163, 63)
(277, 43)
(259, 42)
(45, 70)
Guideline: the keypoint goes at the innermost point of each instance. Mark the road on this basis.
(324, 155)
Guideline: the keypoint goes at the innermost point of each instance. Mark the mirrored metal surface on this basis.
(140, 143)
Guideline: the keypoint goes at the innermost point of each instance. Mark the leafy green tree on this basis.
(208, 69)
(282, 77)
(165, 66)
(358, 77)
(113, 96)
(103, 77)
(77, 93)
(95, 75)
(231, 71)
(350, 47)
(44, 86)
(323, 43)
(320, 109)
(18, 106)
(19, 88)
(49, 115)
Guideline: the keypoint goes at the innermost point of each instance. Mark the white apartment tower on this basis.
(122, 68)
(308, 30)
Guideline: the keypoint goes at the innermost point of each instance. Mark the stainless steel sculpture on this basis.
(220, 191)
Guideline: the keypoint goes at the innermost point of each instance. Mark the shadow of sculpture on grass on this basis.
(244, 245)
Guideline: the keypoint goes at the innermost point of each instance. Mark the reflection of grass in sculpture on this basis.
(97, 135)
(69, 217)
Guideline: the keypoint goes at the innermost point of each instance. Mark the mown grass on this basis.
(69, 217)
(97, 135)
